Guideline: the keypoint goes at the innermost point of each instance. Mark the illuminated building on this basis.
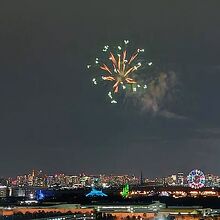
(71, 180)
(39, 179)
(180, 178)
(18, 192)
(50, 181)
(209, 180)
(3, 191)
(171, 180)
(59, 179)
(95, 193)
(217, 181)
(31, 178)
(3, 182)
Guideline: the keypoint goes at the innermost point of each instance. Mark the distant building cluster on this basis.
(181, 179)
(41, 179)
(26, 185)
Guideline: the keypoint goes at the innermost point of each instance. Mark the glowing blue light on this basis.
(40, 195)
(95, 193)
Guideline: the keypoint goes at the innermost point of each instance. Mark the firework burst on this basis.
(120, 69)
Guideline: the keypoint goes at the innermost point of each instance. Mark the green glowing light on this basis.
(125, 191)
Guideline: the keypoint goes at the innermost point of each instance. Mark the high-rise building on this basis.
(3, 191)
(209, 180)
(141, 179)
(180, 178)
(18, 192)
(171, 180)
(39, 179)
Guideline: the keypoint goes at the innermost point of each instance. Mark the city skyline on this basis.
(37, 178)
(36, 172)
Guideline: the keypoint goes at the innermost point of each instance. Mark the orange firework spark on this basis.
(121, 69)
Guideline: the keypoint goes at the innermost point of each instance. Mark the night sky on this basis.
(52, 118)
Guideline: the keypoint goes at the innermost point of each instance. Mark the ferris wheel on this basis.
(196, 179)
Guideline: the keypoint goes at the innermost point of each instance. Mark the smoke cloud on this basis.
(160, 94)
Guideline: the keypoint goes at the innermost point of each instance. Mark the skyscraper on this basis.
(180, 178)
